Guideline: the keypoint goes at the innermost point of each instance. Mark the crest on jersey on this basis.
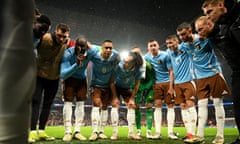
(180, 52)
(198, 47)
(111, 63)
(104, 69)
(159, 62)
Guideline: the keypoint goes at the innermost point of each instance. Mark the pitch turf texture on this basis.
(58, 133)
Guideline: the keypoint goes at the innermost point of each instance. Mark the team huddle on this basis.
(187, 74)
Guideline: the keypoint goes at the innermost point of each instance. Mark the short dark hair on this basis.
(81, 41)
(212, 2)
(107, 41)
(43, 19)
(152, 40)
(184, 25)
(137, 59)
(64, 27)
(172, 36)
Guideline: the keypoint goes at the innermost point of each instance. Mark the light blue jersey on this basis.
(182, 65)
(102, 70)
(160, 63)
(69, 67)
(125, 78)
(203, 57)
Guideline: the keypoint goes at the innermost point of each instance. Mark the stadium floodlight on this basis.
(123, 53)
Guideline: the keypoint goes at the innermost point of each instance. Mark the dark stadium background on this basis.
(126, 22)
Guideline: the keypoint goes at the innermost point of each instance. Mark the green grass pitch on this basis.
(58, 133)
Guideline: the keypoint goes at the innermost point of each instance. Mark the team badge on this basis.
(198, 47)
(104, 69)
(111, 63)
(159, 62)
(180, 52)
(127, 80)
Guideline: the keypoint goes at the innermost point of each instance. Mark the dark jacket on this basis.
(227, 34)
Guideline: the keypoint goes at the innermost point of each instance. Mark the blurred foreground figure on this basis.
(18, 70)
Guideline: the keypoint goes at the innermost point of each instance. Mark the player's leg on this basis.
(158, 95)
(95, 115)
(157, 118)
(170, 121)
(106, 100)
(202, 116)
(220, 120)
(115, 115)
(149, 112)
(138, 115)
(130, 103)
(220, 89)
(79, 109)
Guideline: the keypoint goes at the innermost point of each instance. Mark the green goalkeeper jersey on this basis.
(145, 91)
(148, 81)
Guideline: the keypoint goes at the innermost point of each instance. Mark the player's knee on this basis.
(131, 106)
(137, 106)
(115, 105)
(190, 103)
(158, 103)
(203, 102)
(104, 107)
(148, 105)
(68, 98)
(97, 102)
(183, 106)
(170, 105)
(218, 102)
(82, 98)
